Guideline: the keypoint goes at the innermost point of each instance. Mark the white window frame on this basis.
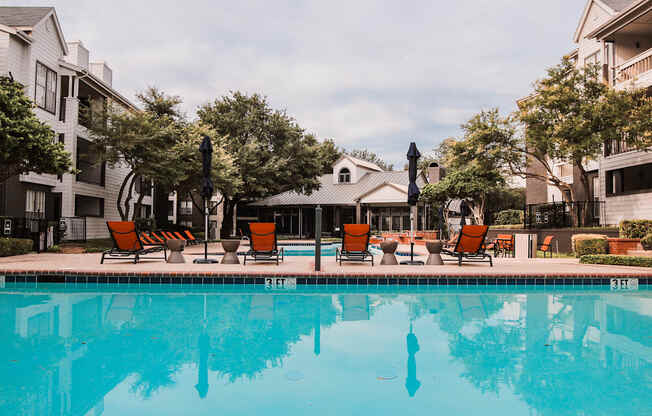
(45, 88)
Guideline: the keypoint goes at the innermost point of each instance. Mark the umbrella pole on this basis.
(412, 262)
(205, 260)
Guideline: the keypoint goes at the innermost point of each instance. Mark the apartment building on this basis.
(616, 34)
(67, 88)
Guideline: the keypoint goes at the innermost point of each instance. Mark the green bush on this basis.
(580, 237)
(617, 260)
(587, 247)
(15, 246)
(54, 249)
(646, 242)
(635, 228)
(509, 216)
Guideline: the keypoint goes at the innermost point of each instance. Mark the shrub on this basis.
(635, 228)
(15, 246)
(589, 244)
(646, 242)
(617, 260)
(54, 249)
(509, 216)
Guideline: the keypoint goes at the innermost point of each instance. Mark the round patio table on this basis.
(230, 251)
(434, 248)
(389, 247)
(176, 247)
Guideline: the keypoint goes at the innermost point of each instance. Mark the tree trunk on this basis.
(227, 222)
(123, 217)
(129, 194)
(160, 208)
(138, 206)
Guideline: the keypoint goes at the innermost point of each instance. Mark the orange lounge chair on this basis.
(355, 244)
(127, 243)
(148, 241)
(470, 246)
(191, 237)
(156, 238)
(263, 244)
(546, 246)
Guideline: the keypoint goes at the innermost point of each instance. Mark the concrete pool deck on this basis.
(56, 266)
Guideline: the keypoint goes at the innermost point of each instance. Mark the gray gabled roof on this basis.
(23, 16)
(340, 194)
(618, 5)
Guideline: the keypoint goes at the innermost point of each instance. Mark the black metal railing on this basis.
(72, 228)
(564, 214)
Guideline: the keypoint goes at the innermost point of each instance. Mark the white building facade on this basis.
(67, 87)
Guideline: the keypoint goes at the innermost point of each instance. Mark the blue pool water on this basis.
(162, 350)
(327, 250)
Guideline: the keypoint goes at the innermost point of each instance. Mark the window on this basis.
(46, 88)
(565, 170)
(91, 169)
(145, 211)
(345, 175)
(185, 208)
(632, 179)
(89, 206)
(35, 202)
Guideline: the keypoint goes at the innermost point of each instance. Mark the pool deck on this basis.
(57, 267)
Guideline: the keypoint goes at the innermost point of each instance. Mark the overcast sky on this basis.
(370, 74)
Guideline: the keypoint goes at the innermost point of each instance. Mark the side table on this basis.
(434, 248)
(389, 247)
(230, 251)
(176, 247)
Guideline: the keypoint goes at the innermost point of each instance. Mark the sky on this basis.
(369, 74)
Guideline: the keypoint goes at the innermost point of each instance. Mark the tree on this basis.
(369, 156)
(271, 152)
(329, 153)
(569, 118)
(26, 143)
(156, 144)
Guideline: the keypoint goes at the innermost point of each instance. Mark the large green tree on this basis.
(26, 143)
(329, 153)
(569, 118)
(271, 152)
(155, 144)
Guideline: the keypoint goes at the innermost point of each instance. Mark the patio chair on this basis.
(148, 241)
(168, 235)
(191, 237)
(127, 243)
(355, 244)
(263, 245)
(470, 246)
(181, 237)
(546, 246)
(504, 245)
(158, 237)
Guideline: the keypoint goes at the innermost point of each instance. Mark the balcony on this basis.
(637, 69)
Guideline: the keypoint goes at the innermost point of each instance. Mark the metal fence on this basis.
(72, 228)
(564, 214)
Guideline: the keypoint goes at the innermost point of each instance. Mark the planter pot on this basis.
(623, 246)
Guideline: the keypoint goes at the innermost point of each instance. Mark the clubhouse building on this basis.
(356, 192)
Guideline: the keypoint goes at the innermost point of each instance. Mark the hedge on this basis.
(617, 260)
(581, 237)
(635, 228)
(509, 216)
(15, 246)
(588, 247)
(646, 242)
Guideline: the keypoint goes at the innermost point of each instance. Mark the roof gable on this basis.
(27, 18)
(359, 162)
(602, 4)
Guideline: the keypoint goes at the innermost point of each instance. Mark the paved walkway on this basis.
(50, 263)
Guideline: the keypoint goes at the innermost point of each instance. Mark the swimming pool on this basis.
(235, 350)
(327, 250)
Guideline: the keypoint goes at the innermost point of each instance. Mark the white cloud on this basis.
(371, 74)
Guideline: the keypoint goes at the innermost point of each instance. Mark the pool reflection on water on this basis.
(110, 351)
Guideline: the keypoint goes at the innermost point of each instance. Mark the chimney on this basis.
(435, 173)
(101, 70)
(77, 54)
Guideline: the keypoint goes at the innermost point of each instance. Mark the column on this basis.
(358, 213)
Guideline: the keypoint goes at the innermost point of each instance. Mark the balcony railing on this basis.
(633, 67)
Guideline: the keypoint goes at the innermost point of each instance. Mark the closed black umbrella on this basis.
(411, 382)
(413, 156)
(206, 149)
